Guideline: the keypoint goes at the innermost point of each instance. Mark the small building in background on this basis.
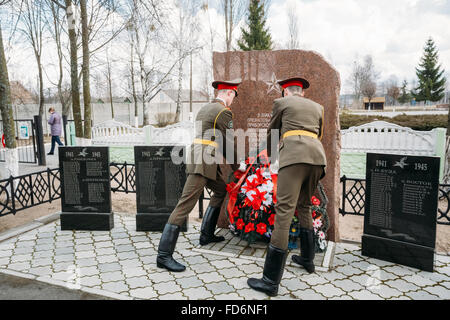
(376, 103)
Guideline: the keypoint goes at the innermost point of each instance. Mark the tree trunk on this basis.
(41, 87)
(180, 80)
(133, 85)
(226, 25)
(85, 70)
(64, 103)
(11, 156)
(110, 89)
(75, 86)
(446, 176)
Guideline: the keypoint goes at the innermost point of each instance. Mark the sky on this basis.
(394, 32)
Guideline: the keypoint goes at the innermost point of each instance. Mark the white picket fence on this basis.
(114, 133)
(378, 136)
(384, 137)
(117, 133)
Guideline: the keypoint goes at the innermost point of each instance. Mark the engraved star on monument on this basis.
(160, 152)
(273, 84)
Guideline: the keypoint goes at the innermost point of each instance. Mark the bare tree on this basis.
(55, 26)
(234, 11)
(294, 30)
(94, 30)
(109, 81)
(185, 40)
(369, 89)
(85, 70)
(393, 90)
(32, 24)
(6, 110)
(362, 74)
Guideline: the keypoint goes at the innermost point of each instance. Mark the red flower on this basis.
(261, 228)
(251, 185)
(314, 214)
(238, 174)
(230, 187)
(235, 212)
(258, 198)
(249, 227)
(240, 224)
(315, 201)
(271, 219)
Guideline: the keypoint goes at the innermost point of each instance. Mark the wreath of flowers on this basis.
(252, 214)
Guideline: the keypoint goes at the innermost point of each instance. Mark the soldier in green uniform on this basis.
(203, 170)
(302, 164)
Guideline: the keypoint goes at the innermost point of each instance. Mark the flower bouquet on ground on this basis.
(250, 208)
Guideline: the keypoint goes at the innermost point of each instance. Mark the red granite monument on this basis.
(252, 109)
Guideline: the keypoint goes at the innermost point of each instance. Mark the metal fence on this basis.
(26, 191)
(354, 197)
(25, 139)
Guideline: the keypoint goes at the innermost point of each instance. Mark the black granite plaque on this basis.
(160, 178)
(85, 188)
(401, 209)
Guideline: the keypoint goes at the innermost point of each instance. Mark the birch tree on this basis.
(32, 24)
(11, 156)
(294, 28)
(233, 11)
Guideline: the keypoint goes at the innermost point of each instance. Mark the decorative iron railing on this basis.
(353, 199)
(26, 191)
(123, 177)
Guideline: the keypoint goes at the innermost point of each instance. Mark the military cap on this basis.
(297, 81)
(227, 85)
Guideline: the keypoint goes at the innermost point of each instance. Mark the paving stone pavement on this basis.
(121, 264)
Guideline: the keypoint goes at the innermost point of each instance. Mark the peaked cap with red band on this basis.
(227, 85)
(299, 82)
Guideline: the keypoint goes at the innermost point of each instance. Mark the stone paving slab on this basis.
(234, 247)
(121, 264)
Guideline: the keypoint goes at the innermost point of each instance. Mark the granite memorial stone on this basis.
(401, 209)
(252, 109)
(159, 185)
(85, 188)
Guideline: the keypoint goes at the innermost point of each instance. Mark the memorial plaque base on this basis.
(154, 222)
(87, 221)
(400, 252)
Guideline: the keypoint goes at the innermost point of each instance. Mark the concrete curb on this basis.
(36, 223)
(60, 283)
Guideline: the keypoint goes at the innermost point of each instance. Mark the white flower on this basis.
(321, 235)
(250, 194)
(250, 178)
(317, 223)
(266, 174)
(266, 187)
(242, 166)
(268, 201)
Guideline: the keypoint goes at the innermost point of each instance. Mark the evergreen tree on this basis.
(404, 95)
(431, 80)
(257, 37)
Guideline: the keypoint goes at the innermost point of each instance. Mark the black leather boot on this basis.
(209, 226)
(273, 272)
(166, 247)
(307, 250)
